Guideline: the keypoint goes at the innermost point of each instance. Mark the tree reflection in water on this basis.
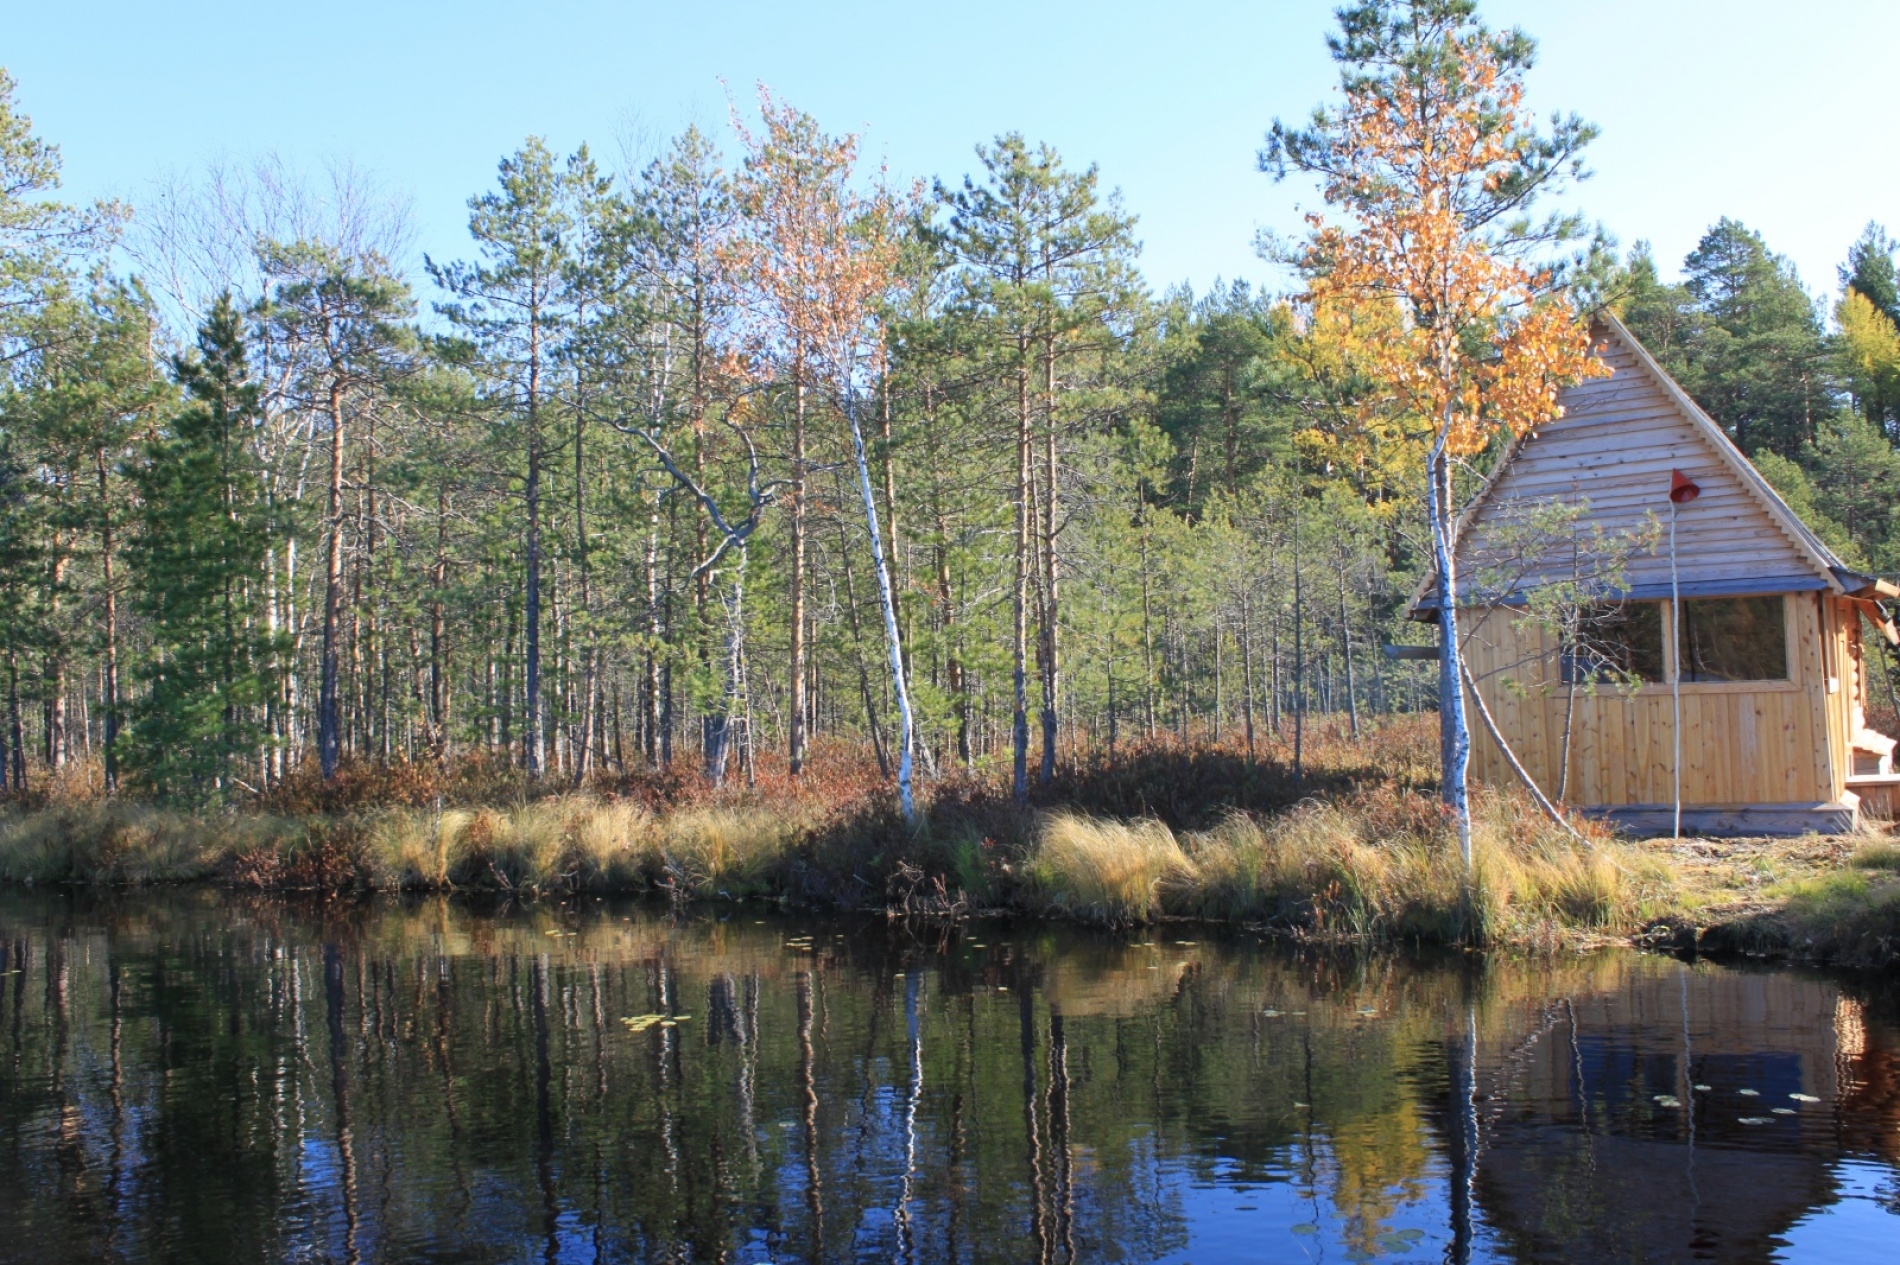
(586, 1081)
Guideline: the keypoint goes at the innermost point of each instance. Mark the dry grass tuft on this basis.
(1106, 871)
(1383, 864)
(725, 851)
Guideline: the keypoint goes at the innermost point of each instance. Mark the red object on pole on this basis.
(1682, 489)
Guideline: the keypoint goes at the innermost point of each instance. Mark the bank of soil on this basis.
(1824, 898)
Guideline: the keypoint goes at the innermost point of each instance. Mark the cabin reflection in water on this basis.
(1585, 1156)
(202, 1078)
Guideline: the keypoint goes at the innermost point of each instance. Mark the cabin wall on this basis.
(1838, 688)
(1772, 742)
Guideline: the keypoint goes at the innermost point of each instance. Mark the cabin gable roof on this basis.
(1612, 452)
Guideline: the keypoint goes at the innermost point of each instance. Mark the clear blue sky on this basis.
(1778, 114)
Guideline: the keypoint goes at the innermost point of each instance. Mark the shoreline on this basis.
(1760, 937)
(1363, 868)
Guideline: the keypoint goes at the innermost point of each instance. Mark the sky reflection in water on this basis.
(203, 1077)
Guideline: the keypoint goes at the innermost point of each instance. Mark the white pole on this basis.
(1675, 659)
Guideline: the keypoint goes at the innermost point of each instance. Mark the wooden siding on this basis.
(1614, 448)
(1781, 742)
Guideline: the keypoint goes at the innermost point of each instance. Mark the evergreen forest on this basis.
(747, 456)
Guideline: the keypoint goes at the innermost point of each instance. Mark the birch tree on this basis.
(1431, 165)
(823, 256)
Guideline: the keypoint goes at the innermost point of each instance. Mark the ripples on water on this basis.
(197, 1077)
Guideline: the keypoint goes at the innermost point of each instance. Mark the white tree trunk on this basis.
(898, 686)
(1454, 728)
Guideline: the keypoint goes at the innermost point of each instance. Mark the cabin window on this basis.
(1733, 639)
(1616, 643)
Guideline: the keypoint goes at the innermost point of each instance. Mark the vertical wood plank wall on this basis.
(1783, 742)
(1614, 448)
(1843, 716)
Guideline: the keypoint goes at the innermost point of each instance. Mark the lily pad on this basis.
(1804, 1097)
(1784, 1111)
(1749, 1093)
(1304, 1227)
(1754, 1120)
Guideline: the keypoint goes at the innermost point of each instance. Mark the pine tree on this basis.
(1048, 262)
(22, 625)
(1870, 271)
(85, 399)
(338, 320)
(1758, 365)
(1212, 400)
(40, 240)
(509, 304)
(1868, 349)
(197, 563)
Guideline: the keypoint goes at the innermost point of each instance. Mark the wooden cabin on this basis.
(1767, 644)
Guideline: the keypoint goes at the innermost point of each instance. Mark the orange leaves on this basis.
(819, 255)
(1422, 165)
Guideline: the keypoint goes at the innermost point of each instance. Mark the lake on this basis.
(203, 1076)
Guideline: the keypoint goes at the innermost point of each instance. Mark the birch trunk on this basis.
(905, 741)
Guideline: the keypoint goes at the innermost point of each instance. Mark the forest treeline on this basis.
(654, 474)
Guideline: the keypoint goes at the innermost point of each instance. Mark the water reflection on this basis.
(197, 1077)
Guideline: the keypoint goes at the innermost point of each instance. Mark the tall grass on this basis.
(1108, 871)
(1163, 830)
(1381, 864)
(571, 842)
(114, 842)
